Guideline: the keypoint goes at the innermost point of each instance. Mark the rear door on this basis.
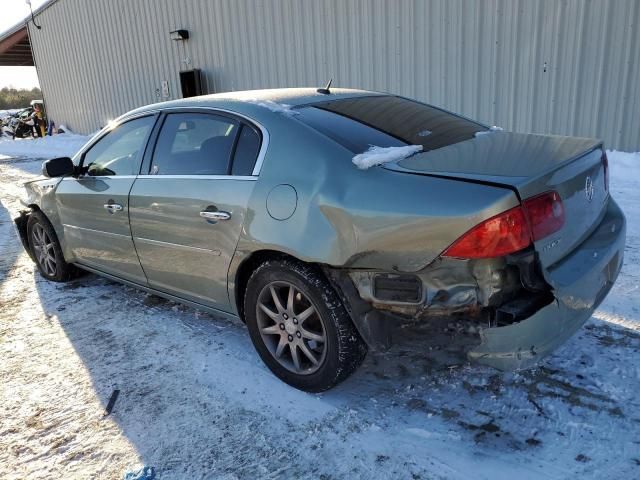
(93, 208)
(187, 212)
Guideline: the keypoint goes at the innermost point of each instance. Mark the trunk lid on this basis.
(530, 165)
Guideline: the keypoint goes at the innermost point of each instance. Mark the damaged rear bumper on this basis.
(580, 282)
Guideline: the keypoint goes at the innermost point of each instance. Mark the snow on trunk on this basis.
(379, 155)
(491, 130)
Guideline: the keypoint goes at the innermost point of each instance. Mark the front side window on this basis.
(119, 152)
(194, 144)
(387, 121)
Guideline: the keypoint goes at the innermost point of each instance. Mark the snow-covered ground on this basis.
(6, 113)
(66, 144)
(196, 402)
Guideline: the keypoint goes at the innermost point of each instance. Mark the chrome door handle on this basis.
(215, 216)
(113, 207)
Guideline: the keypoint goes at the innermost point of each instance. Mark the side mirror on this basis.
(58, 167)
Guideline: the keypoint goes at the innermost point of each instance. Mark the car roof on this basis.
(248, 100)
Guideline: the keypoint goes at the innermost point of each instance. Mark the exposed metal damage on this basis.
(517, 312)
(483, 292)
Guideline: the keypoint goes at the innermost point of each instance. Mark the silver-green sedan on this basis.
(326, 218)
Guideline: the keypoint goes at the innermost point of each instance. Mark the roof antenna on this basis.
(325, 90)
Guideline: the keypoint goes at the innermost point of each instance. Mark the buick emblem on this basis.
(588, 188)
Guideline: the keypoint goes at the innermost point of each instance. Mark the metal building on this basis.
(551, 66)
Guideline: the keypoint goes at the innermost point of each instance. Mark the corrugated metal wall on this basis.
(550, 66)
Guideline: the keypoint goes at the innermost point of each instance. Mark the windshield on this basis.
(387, 121)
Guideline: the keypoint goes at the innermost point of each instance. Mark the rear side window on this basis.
(246, 152)
(194, 144)
(387, 121)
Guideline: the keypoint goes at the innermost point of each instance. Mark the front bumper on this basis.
(21, 226)
(580, 282)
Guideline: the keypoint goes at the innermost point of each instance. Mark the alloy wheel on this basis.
(43, 249)
(291, 328)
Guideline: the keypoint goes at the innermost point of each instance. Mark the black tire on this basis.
(62, 270)
(342, 351)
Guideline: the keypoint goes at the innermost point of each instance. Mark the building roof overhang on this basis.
(15, 48)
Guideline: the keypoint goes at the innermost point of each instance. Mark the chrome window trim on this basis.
(102, 177)
(116, 123)
(240, 178)
(244, 178)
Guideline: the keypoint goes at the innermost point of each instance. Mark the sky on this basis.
(13, 11)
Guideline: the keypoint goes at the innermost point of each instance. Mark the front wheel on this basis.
(46, 249)
(300, 327)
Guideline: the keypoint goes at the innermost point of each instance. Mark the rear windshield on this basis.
(387, 121)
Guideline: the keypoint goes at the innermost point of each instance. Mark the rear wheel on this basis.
(46, 249)
(300, 327)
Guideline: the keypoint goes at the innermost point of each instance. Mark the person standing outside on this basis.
(38, 117)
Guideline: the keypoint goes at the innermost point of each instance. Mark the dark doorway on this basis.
(190, 83)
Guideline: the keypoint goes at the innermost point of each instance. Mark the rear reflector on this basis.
(397, 288)
(513, 230)
(545, 213)
(505, 233)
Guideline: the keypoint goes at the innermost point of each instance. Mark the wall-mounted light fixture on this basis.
(179, 34)
(28, 2)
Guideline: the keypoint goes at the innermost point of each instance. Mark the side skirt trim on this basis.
(159, 293)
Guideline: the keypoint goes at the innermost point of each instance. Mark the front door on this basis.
(94, 208)
(187, 213)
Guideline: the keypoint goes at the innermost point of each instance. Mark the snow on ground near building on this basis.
(11, 111)
(196, 401)
(63, 145)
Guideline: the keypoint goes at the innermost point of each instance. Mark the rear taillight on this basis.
(605, 165)
(500, 235)
(513, 230)
(545, 213)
